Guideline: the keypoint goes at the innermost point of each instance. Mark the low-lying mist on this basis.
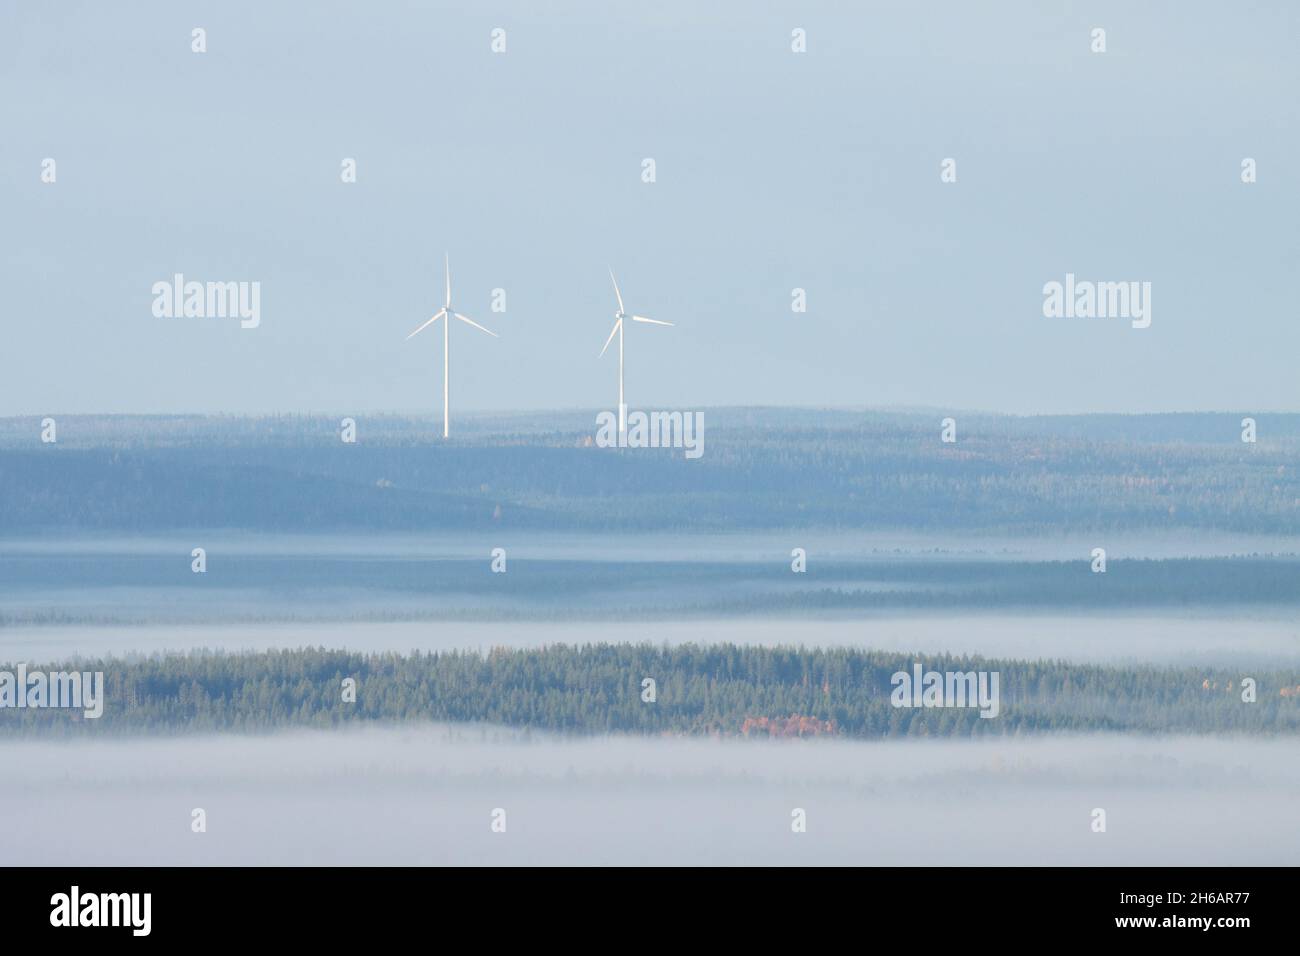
(1241, 639)
(426, 795)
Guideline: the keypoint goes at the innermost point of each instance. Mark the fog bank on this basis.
(426, 796)
(1237, 639)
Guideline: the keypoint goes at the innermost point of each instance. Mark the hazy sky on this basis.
(775, 170)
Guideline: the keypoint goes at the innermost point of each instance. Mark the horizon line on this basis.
(899, 409)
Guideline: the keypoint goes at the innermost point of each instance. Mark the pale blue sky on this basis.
(775, 170)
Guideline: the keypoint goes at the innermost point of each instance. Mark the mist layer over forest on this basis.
(427, 795)
(771, 587)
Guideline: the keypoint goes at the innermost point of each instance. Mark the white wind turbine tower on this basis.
(619, 316)
(448, 312)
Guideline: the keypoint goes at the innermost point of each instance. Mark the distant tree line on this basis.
(761, 469)
(724, 690)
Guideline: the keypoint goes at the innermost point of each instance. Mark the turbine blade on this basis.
(617, 326)
(618, 295)
(447, 263)
(642, 318)
(440, 314)
(466, 318)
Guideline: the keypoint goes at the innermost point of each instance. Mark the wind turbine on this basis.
(619, 316)
(448, 312)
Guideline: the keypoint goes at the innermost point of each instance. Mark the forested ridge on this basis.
(725, 690)
(761, 468)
